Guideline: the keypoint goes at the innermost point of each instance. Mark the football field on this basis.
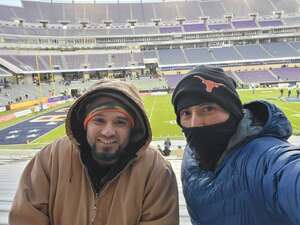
(163, 120)
(162, 117)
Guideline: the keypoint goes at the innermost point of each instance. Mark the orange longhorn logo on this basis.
(210, 85)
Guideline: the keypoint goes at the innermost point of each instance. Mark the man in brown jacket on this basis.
(103, 172)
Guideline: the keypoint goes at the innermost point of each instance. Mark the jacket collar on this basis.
(260, 118)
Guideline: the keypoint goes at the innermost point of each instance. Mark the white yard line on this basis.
(153, 107)
(39, 137)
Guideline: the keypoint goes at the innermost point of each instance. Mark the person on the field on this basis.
(281, 92)
(238, 167)
(103, 172)
(167, 147)
(289, 91)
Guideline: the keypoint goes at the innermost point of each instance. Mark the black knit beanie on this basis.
(207, 84)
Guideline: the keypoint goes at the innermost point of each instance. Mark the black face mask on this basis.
(209, 142)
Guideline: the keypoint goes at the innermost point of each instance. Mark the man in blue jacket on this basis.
(238, 168)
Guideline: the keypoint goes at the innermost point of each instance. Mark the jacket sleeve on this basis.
(160, 206)
(281, 184)
(30, 204)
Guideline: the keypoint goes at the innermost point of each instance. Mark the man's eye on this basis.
(122, 122)
(184, 113)
(98, 119)
(208, 109)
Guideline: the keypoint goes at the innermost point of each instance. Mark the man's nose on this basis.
(108, 130)
(196, 120)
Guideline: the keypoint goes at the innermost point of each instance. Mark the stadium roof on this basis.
(19, 2)
(4, 73)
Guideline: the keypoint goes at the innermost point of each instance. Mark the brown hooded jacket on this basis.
(56, 186)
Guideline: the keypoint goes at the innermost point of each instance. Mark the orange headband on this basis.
(93, 113)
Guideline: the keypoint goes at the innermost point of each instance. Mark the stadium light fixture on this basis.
(131, 23)
(204, 19)
(180, 20)
(84, 23)
(44, 23)
(107, 23)
(64, 23)
(228, 17)
(278, 14)
(156, 22)
(19, 21)
(253, 16)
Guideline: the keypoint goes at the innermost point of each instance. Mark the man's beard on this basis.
(105, 157)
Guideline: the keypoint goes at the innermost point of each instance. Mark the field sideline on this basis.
(162, 117)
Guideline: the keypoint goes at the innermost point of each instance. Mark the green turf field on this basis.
(162, 117)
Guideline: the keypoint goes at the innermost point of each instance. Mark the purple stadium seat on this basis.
(270, 23)
(170, 29)
(196, 27)
(239, 24)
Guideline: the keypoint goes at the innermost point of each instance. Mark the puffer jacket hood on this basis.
(261, 118)
(124, 92)
(276, 123)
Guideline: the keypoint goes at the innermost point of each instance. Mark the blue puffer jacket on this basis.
(257, 180)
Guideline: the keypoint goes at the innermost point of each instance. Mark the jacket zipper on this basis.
(98, 195)
(94, 211)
